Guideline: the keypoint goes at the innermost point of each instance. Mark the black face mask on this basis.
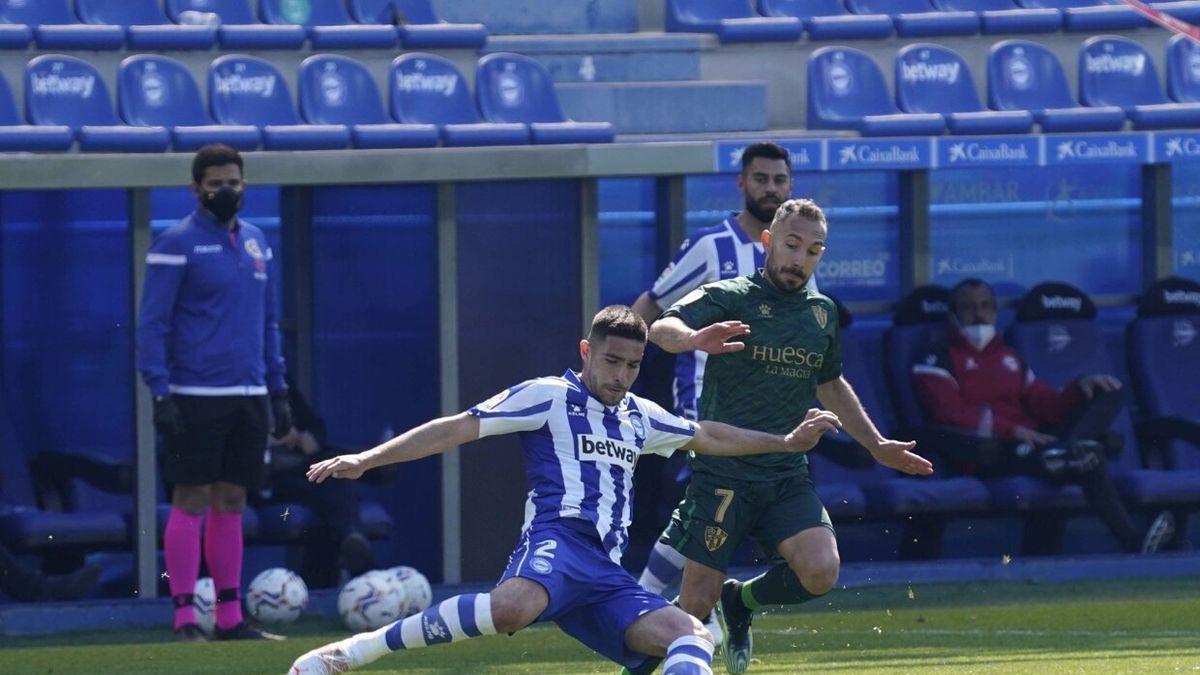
(224, 204)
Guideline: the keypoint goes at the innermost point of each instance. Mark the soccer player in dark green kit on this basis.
(775, 351)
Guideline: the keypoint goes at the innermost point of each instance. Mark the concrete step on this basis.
(668, 107)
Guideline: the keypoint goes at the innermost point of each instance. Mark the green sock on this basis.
(776, 586)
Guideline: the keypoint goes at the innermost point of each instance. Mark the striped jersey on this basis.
(579, 453)
(712, 254)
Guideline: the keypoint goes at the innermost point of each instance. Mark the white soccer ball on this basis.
(204, 601)
(276, 595)
(416, 588)
(372, 600)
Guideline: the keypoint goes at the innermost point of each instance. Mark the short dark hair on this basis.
(969, 282)
(618, 320)
(805, 208)
(217, 154)
(766, 150)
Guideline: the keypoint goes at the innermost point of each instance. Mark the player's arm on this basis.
(673, 335)
(432, 438)
(837, 395)
(716, 438)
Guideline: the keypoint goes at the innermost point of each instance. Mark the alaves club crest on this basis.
(714, 537)
(820, 315)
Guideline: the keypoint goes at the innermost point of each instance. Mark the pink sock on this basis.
(223, 553)
(181, 548)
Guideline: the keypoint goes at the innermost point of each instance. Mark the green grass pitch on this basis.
(1121, 626)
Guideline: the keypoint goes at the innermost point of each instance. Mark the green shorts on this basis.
(717, 513)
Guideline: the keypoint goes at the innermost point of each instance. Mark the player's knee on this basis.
(509, 615)
(819, 577)
(698, 630)
(193, 499)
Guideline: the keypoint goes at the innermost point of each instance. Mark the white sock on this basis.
(664, 568)
(458, 618)
(689, 655)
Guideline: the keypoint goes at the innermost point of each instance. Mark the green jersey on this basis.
(793, 346)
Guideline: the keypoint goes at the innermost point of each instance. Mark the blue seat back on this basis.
(35, 12)
(1024, 75)
(855, 368)
(1183, 69)
(158, 91)
(707, 11)
(1059, 4)
(933, 79)
(304, 12)
(66, 90)
(888, 6)
(429, 89)
(846, 83)
(515, 88)
(416, 11)
(8, 106)
(919, 320)
(1163, 349)
(1117, 71)
(338, 90)
(1057, 336)
(974, 5)
(233, 12)
(120, 12)
(249, 90)
(801, 8)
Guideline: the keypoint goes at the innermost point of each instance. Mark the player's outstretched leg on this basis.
(664, 568)
(511, 606)
(682, 642)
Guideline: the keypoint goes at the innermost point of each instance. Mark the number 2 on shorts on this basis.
(726, 496)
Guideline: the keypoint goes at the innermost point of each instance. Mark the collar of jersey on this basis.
(803, 295)
(202, 216)
(732, 223)
(573, 378)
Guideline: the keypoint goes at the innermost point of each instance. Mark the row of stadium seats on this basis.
(1159, 465)
(201, 24)
(1026, 84)
(785, 20)
(66, 100)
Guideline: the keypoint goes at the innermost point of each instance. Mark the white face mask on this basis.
(979, 335)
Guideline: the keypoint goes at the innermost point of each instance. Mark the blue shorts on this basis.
(592, 598)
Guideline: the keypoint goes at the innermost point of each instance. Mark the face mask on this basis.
(224, 204)
(979, 335)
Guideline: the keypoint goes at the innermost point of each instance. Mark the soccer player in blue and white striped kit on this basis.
(582, 434)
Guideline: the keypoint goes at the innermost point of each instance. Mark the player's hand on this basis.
(342, 466)
(816, 424)
(713, 339)
(898, 455)
(1088, 385)
(1032, 436)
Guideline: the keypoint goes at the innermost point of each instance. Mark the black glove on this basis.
(168, 418)
(282, 414)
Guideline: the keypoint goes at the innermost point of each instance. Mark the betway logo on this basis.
(1182, 297)
(1130, 64)
(934, 307)
(437, 84)
(930, 72)
(260, 85)
(868, 154)
(73, 85)
(1061, 302)
(601, 449)
(1088, 150)
(960, 152)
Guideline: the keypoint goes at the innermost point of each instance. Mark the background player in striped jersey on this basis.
(581, 434)
(732, 248)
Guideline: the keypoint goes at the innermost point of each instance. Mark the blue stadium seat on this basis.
(917, 18)
(829, 20)
(1163, 351)
(1118, 71)
(1091, 15)
(933, 79)
(1002, 16)
(1186, 10)
(340, 90)
(239, 29)
(248, 90)
(846, 90)
(64, 90)
(429, 89)
(328, 24)
(511, 88)
(145, 24)
(56, 27)
(418, 25)
(1024, 75)
(157, 91)
(1061, 343)
(17, 136)
(1183, 69)
(13, 34)
(730, 21)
